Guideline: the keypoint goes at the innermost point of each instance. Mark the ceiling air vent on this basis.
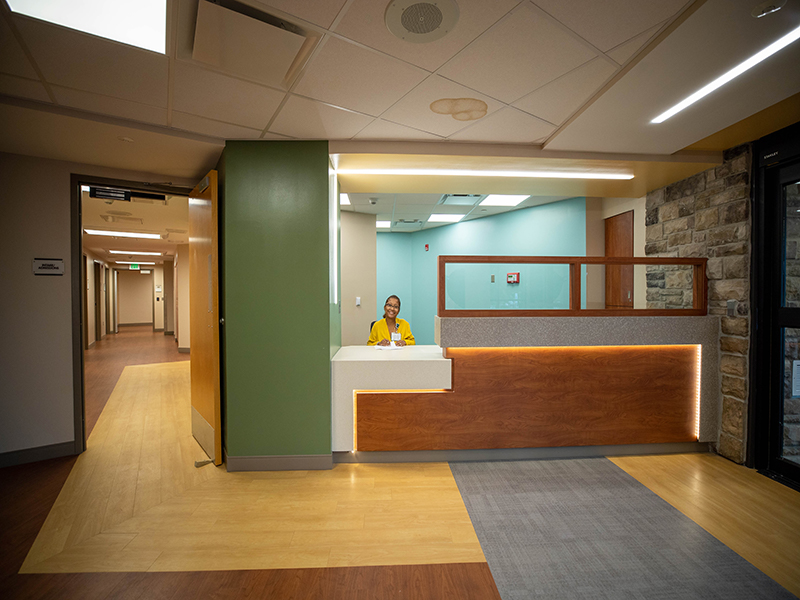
(407, 224)
(460, 199)
(109, 194)
(421, 22)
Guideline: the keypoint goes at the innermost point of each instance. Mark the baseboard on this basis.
(158, 329)
(169, 332)
(517, 453)
(29, 455)
(301, 462)
(90, 345)
(134, 324)
(183, 350)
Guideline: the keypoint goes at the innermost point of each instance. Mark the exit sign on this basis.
(134, 267)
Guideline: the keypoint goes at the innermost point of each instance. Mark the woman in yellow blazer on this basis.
(381, 334)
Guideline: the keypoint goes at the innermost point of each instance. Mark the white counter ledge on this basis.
(368, 368)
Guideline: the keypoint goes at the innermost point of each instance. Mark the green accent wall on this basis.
(274, 284)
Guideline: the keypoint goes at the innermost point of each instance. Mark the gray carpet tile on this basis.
(585, 529)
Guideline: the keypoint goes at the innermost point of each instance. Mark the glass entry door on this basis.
(785, 432)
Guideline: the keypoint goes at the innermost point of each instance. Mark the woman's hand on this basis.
(383, 342)
(400, 343)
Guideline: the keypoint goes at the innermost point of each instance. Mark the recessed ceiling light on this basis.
(136, 252)
(132, 262)
(503, 200)
(383, 224)
(344, 200)
(125, 234)
(439, 218)
(471, 173)
(732, 74)
(140, 23)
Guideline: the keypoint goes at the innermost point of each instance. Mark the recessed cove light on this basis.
(383, 224)
(125, 234)
(131, 262)
(730, 75)
(471, 173)
(503, 200)
(344, 200)
(140, 23)
(440, 218)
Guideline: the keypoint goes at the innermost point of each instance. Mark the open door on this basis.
(619, 278)
(204, 317)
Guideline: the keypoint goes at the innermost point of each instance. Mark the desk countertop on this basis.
(369, 353)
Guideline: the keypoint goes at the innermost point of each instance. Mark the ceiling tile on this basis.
(356, 78)
(225, 131)
(557, 100)
(12, 58)
(319, 12)
(611, 22)
(363, 199)
(365, 23)
(507, 125)
(415, 199)
(406, 211)
(308, 119)
(243, 46)
(23, 88)
(625, 51)
(215, 96)
(522, 52)
(81, 61)
(106, 105)
(384, 130)
(414, 110)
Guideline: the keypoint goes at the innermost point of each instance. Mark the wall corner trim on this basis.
(299, 462)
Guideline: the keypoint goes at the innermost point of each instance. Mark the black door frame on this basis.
(79, 296)
(774, 156)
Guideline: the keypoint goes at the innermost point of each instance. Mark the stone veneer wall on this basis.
(708, 215)
(791, 336)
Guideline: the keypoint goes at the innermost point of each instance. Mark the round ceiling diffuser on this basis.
(421, 22)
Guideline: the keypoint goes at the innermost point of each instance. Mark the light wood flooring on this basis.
(756, 517)
(135, 502)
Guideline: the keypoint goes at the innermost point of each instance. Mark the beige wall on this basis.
(169, 297)
(359, 273)
(36, 389)
(158, 298)
(135, 298)
(182, 327)
(595, 246)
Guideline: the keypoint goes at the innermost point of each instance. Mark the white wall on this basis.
(359, 265)
(169, 297)
(158, 298)
(182, 327)
(135, 298)
(36, 386)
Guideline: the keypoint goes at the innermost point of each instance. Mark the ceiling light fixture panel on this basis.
(444, 218)
(503, 200)
(124, 234)
(135, 252)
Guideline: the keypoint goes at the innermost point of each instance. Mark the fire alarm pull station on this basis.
(512, 278)
(427, 247)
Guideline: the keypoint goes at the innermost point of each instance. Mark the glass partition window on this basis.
(790, 416)
(791, 282)
(485, 286)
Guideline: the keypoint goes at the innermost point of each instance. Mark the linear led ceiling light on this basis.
(344, 200)
(502, 200)
(439, 218)
(471, 173)
(733, 73)
(125, 234)
(130, 262)
(136, 252)
(383, 224)
(140, 23)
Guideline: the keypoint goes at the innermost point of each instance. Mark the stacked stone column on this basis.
(708, 215)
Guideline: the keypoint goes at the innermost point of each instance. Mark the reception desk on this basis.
(533, 383)
(370, 368)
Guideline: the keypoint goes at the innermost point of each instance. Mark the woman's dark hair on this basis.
(387, 302)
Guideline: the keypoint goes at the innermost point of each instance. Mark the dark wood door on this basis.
(619, 278)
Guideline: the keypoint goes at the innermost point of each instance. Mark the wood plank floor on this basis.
(104, 362)
(135, 502)
(756, 517)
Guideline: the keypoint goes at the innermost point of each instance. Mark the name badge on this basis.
(396, 337)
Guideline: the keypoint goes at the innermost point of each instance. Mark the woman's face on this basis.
(391, 308)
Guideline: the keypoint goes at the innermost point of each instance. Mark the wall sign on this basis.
(48, 266)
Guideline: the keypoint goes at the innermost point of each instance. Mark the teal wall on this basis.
(557, 229)
(274, 285)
